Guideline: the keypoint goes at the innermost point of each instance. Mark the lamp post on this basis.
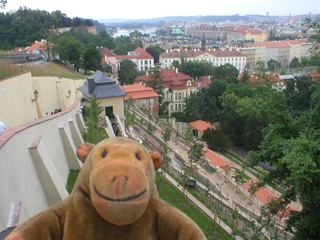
(36, 95)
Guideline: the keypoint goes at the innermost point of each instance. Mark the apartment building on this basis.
(143, 60)
(247, 34)
(217, 57)
(283, 51)
(177, 86)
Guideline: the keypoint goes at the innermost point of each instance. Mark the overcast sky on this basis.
(137, 9)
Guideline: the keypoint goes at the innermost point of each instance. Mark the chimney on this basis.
(91, 85)
(177, 70)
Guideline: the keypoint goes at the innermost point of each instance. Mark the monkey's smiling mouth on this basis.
(118, 200)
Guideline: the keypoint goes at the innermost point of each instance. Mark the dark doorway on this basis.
(109, 111)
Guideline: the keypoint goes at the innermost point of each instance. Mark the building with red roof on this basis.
(109, 58)
(40, 47)
(143, 60)
(255, 80)
(177, 86)
(199, 127)
(203, 82)
(219, 162)
(314, 75)
(217, 57)
(264, 196)
(243, 33)
(143, 97)
(283, 51)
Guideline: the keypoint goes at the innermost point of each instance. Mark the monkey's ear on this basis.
(83, 151)
(157, 159)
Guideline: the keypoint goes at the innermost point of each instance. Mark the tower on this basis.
(203, 43)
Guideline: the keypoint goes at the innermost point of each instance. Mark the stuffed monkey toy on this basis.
(114, 198)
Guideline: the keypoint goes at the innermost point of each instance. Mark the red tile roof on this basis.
(314, 75)
(138, 91)
(107, 52)
(254, 79)
(216, 160)
(276, 44)
(247, 30)
(203, 82)
(42, 45)
(140, 54)
(171, 78)
(265, 196)
(195, 53)
(297, 41)
(201, 125)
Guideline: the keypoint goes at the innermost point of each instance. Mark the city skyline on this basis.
(143, 9)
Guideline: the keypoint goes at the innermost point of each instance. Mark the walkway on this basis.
(202, 207)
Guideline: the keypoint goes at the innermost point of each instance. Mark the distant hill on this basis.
(209, 18)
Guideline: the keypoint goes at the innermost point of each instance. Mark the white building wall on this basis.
(19, 178)
(16, 107)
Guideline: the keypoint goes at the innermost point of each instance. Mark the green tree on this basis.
(155, 81)
(92, 119)
(127, 72)
(261, 68)
(166, 133)
(304, 61)
(215, 139)
(240, 180)
(294, 63)
(195, 154)
(274, 65)
(226, 72)
(289, 141)
(91, 58)
(72, 52)
(245, 78)
(191, 107)
(125, 45)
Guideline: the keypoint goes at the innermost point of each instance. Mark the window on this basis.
(146, 62)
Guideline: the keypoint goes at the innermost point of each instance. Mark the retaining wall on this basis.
(35, 159)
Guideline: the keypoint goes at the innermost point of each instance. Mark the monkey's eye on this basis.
(138, 156)
(104, 154)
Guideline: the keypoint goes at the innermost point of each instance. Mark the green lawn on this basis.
(174, 197)
(73, 174)
(51, 69)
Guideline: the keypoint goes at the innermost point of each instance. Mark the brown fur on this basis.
(114, 198)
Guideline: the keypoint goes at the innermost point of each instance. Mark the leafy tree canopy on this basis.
(91, 58)
(127, 72)
(23, 27)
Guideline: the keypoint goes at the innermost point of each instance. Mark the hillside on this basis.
(50, 69)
